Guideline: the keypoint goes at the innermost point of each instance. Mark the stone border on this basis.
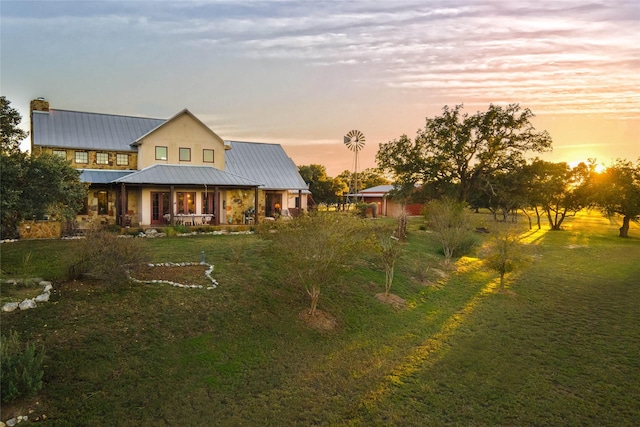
(207, 273)
(29, 302)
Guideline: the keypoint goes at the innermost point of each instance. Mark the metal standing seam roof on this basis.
(162, 174)
(102, 176)
(264, 163)
(89, 131)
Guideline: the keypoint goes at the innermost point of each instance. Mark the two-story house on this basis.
(148, 172)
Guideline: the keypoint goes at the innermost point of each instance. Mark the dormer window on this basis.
(161, 153)
(122, 159)
(185, 154)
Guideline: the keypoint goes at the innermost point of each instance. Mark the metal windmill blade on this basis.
(354, 140)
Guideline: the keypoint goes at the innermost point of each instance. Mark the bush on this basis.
(107, 257)
(21, 369)
(449, 220)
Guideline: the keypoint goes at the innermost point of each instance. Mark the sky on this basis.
(305, 73)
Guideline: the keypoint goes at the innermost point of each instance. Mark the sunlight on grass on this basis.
(434, 348)
(533, 237)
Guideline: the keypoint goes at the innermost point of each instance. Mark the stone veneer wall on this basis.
(40, 230)
(133, 158)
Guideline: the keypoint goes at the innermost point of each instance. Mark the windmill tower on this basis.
(354, 140)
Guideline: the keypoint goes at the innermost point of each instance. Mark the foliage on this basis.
(10, 134)
(390, 250)
(21, 368)
(314, 249)
(563, 351)
(33, 186)
(455, 152)
(617, 191)
(367, 178)
(108, 257)
(504, 252)
(324, 190)
(561, 190)
(450, 221)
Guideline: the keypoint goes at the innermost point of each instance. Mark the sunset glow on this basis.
(302, 74)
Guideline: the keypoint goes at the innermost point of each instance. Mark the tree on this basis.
(449, 220)
(325, 190)
(617, 191)
(32, 186)
(11, 134)
(367, 178)
(313, 249)
(389, 252)
(504, 251)
(455, 151)
(562, 191)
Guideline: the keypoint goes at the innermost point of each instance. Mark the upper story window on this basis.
(122, 159)
(102, 158)
(207, 156)
(185, 154)
(60, 153)
(82, 157)
(161, 153)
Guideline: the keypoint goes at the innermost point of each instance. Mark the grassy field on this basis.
(560, 347)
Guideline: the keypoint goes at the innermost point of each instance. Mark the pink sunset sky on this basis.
(303, 74)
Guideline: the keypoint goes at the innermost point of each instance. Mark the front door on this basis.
(273, 204)
(159, 207)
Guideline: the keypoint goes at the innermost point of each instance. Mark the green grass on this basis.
(560, 348)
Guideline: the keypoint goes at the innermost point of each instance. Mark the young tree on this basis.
(504, 251)
(617, 191)
(455, 151)
(390, 250)
(313, 249)
(449, 220)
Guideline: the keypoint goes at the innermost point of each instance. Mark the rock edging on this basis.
(214, 282)
(28, 303)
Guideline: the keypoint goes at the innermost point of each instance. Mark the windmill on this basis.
(354, 140)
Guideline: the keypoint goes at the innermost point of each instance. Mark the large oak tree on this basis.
(455, 151)
(617, 191)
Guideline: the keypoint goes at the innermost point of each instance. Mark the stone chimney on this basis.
(39, 104)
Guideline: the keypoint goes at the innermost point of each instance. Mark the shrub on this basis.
(107, 257)
(449, 220)
(21, 369)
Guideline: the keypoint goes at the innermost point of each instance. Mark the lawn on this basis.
(559, 347)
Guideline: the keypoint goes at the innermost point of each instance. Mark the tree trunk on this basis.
(624, 230)
(314, 293)
(538, 218)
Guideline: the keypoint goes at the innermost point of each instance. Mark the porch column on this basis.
(255, 206)
(216, 206)
(171, 205)
(123, 206)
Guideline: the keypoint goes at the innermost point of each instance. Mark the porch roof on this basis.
(102, 176)
(186, 175)
(267, 164)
